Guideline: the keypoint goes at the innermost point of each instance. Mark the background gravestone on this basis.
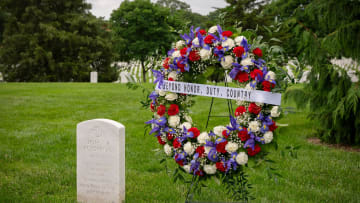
(100, 161)
(93, 77)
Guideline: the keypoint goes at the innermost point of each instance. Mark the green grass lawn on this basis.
(38, 149)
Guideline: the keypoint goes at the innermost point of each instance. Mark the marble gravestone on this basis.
(100, 161)
(93, 77)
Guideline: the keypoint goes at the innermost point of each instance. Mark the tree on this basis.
(140, 31)
(52, 41)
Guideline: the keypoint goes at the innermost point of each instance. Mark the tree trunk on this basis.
(143, 72)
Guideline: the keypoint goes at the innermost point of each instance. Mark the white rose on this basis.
(228, 43)
(176, 54)
(270, 76)
(254, 126)
(161, 92)
(275, 111)
(213, 29)
(174, 121)
(187, 125)
(195, 41)
(168, 150)
(180, 44)
(188, 118)
(219, 129)
(227, 63)
(187, 168)
(202, 138)
(173, 75)
(246, 62)
(242, 158)
(207, 149)
(188, 148)
(205, 54)
(239, 39)
(210, 169)
(268, 136)
(248, 87)
(171, 96)
(231, 147)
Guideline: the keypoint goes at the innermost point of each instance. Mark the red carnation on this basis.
(221, 147)
(227, 33)
(199, 173)
(169, 136)
(195, 131)
(200, 150)
(170, 79)
(220, 166)
(257, 52)
(180, 162)
(202, 32)
(166, 63)
(252, 152)
(242, 76)
(194, 56)
(183, 51)
(176, 143)
(253, 108)
(240, 110)
(239, 51)
(273, 126)
(209, 39)
(161, 110)
(225, 133)
(173, 110)
(243, 135)
(160, 140)
(181, 66)
(267, 86)
(256, 73)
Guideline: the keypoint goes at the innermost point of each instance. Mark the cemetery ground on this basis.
(38, 149)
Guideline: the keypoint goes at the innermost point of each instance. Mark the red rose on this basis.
(176, 143)
(181, 162)
(273, 126)
(152, 107)
(257, 52)
(173, 110)
(202, 32)
(256, 73)
(227, 33)
(195, 131)
(267, 86)
(181, 66)
(253, 108)
(225, 133)
(200, 150)
(221, 147)
(243, 135)
(240, 110)
(220, 166)
(183, 51)
(209, 39)
(169, 136)
(166, 63)
(242, 76)
(256, 150)
(194, 56)
(239, 51)
(160, 140)
(161, 110)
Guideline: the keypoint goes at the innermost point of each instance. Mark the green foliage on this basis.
(53, 41)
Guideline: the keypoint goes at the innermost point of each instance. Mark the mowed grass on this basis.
(38, 149)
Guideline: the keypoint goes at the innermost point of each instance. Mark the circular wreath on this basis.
(227, 147)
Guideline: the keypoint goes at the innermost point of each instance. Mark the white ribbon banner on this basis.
(221, 92)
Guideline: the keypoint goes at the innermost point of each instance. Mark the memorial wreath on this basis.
(227, 148)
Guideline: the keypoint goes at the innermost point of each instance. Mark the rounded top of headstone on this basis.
(103, 120)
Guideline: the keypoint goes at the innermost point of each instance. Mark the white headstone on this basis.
(93, 77)
(100, 161)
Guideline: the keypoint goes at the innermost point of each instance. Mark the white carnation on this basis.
(275, 112)
(205, 54)
(227, 63)
(270, 76)
(231, 147)
(268, 136)
(196, 42)
(246, 62)
(207, 149)
(239, 39)
(254, 126)
(168, 149)
(213, 29)
(203, 137)
(180, 44)
(188, 118)
(210, 169)
(187, 168)
(228, 43)
(174, 121)
(219, 129)
(242, 158)
(171, 96)
(187, 125)
(188, 148)
(248, 87)
(176, 54)
(173, 75)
